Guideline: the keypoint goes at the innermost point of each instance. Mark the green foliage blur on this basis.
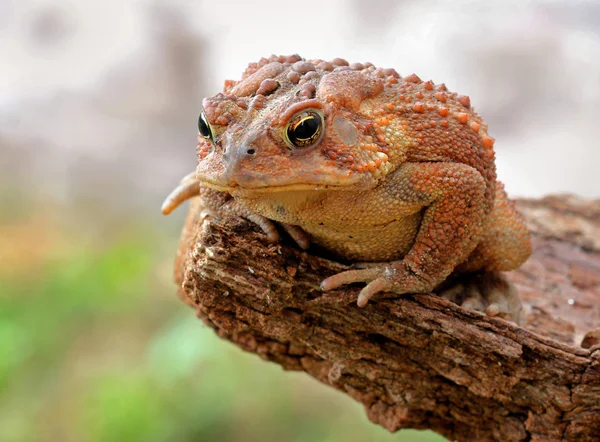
(95, 346)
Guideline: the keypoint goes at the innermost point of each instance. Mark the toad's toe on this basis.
(490, 293)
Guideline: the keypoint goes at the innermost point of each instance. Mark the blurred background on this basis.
(98, 109)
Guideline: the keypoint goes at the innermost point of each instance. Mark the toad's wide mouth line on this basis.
(273, 188)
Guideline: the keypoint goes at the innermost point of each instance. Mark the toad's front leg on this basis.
(456, 206)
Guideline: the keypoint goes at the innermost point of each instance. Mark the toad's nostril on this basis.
(251, 151)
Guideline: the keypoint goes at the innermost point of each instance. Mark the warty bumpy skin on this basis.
(366, 164)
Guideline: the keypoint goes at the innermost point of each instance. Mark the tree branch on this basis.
(419, 361)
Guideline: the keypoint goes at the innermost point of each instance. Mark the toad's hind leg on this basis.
(506, 244)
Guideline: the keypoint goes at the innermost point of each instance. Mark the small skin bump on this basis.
(307, 91)
(464, 100)
(202, 150)
(382, 156)
(391, 73)
(475, 126)
(339, 62)
(258, 102)
(462, 117)
(302, 67)
(267, 86)
(325, 66)
(413, 78)
(293, 58)
(428, 85)
(488, 142)
(441, 97)
(419, 107)
(293, 77)
(379, 73)
(221, 120)
(228, 84)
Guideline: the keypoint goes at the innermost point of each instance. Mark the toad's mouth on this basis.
(234, 189)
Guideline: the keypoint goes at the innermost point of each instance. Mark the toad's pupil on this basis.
(203, 127)
(306, 128)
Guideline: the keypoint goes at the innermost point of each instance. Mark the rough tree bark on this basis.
(419, 361)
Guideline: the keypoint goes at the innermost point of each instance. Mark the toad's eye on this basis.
(304, 129)
(204, 127)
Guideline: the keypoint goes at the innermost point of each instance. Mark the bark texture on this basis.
(419, 361)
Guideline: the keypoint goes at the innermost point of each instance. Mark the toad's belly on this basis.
(348, 226)
(381, 242)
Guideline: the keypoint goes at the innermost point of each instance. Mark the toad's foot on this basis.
(395, 277)
(490, 293)
(230, 207)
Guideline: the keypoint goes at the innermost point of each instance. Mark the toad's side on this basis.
(373, 167)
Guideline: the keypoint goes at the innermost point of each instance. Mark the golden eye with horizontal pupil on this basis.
(204, 127)
(304, 129)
